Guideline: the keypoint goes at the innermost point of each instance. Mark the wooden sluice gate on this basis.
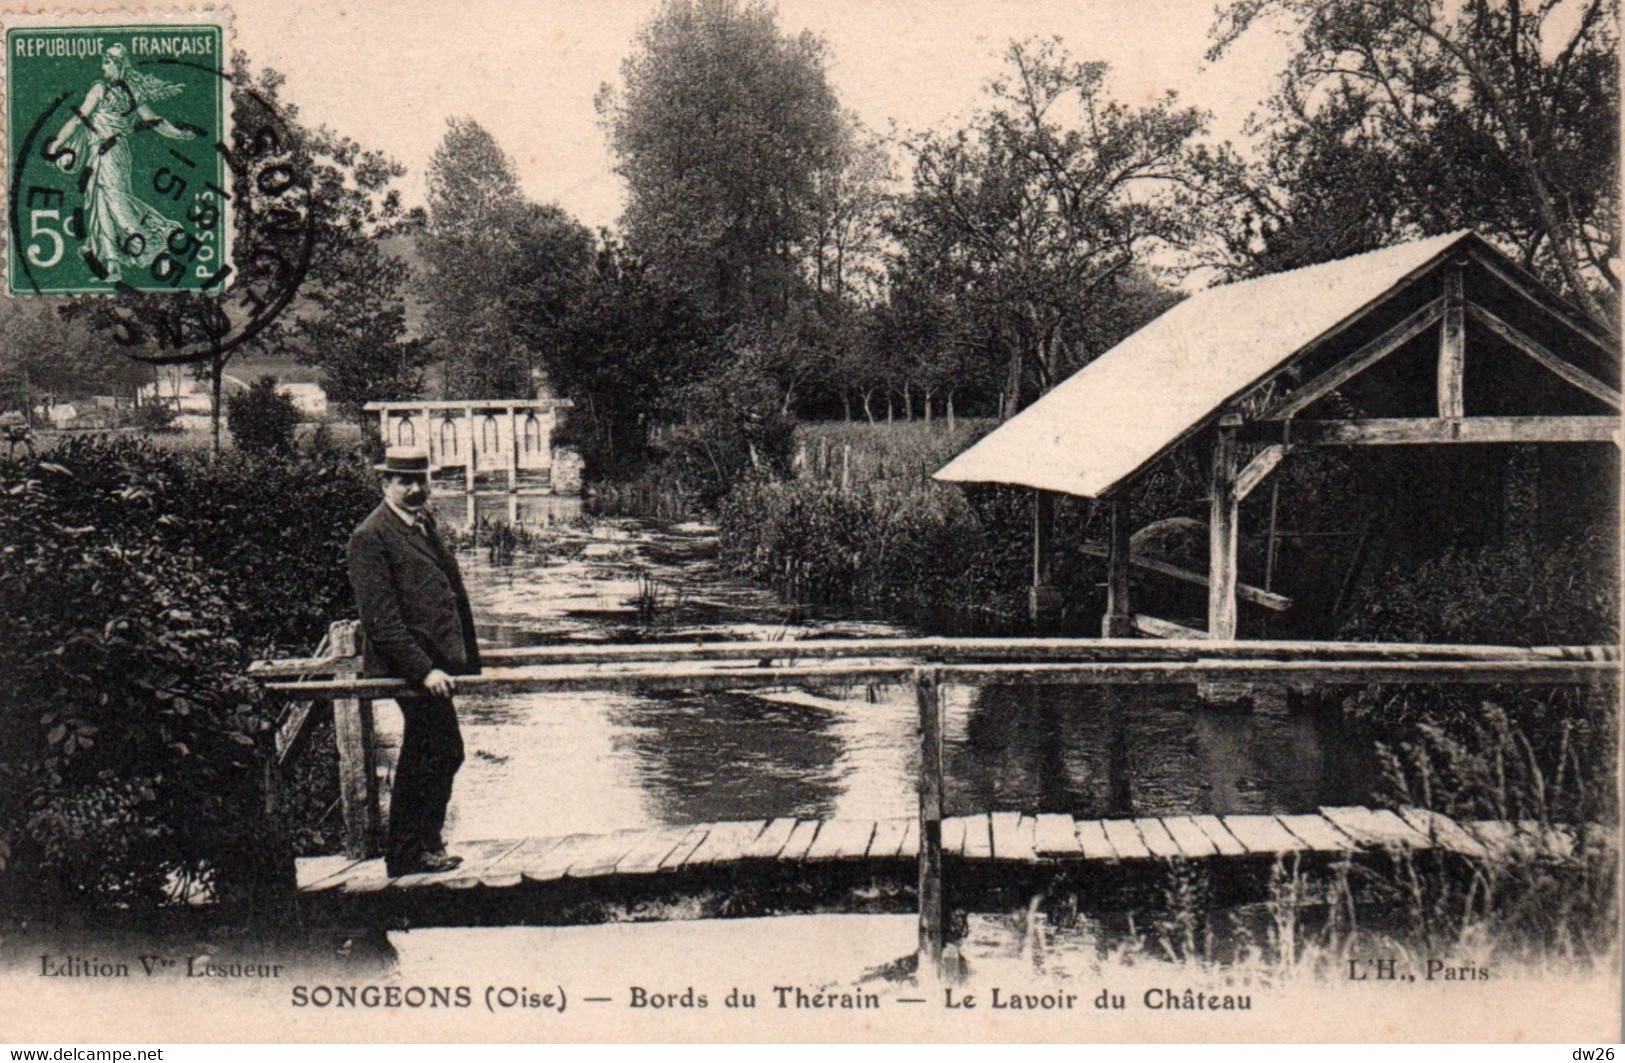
(934, 864)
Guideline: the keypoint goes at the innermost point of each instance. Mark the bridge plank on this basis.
(477, 856)
(1092, 840)
(953, 835)
(1500, 838)
(1444, 832)
(888, 839)
(801, 840)
(1193, 844)
(552, 865)
(1217, 833)
(1125, 839)
(1318, 833)
(1156, 837)
(685, 848)
(323, 872)
(509, 869)
(842, 839)
(1549, 841)
(1054, 834)
(647, 853)
(910, 849)
(726, 842)
(1262, 835)
(369, 876)
(474, 854)
(772, 840)
(1012, 836)
(605, 855)
(978, 838)
(1379, 828)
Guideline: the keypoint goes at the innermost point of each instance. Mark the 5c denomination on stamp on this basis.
(117, 151)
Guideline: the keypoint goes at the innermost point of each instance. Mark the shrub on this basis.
(128, 727)
(138, 584)
(262, 419)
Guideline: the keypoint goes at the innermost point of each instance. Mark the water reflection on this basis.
(541, 764)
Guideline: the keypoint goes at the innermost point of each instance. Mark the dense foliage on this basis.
(262, 419)
(138, 583)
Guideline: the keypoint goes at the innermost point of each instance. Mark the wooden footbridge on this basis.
(896, 859)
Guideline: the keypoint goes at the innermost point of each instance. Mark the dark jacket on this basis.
(415, 615)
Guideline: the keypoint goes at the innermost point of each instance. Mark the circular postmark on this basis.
(197, 232)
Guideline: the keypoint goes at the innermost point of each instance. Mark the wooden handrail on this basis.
(950, 650)
(703, 675)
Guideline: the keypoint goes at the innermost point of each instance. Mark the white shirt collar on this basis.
(408, 519)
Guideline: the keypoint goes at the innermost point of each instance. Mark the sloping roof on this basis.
(1118, 412)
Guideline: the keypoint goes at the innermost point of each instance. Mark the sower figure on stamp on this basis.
(416, 624)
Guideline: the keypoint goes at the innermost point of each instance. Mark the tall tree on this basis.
(351, 320)
(721, 131)
(1031, 219)
(1502, 115)
(494, 261)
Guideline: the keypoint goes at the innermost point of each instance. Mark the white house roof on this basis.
(1118, 412)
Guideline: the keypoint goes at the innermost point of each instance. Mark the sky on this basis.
(389, 74)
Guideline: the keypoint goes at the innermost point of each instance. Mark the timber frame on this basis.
(1486, 313)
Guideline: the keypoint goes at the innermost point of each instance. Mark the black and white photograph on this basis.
(810, 521)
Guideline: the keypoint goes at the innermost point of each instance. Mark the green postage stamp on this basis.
(117, 155)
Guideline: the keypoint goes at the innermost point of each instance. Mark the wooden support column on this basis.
(470, 472)
(358, 764)
(1119, 619)
(1223, 512)
(1041, 598)
(928, 692)
(1452, 347)
(513, 465)
(383, 426)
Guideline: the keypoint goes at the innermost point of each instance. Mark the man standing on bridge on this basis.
(416, 625)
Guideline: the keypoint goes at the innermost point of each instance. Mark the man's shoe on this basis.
(440, 860)
(422, 864)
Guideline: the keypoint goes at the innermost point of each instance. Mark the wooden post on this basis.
(1452, 347)
(470, 473)
(1041, 598)
(1223, 511)
(928, 692)
(846, 468)
(1119, 619)
(383, 426)
(358, 765)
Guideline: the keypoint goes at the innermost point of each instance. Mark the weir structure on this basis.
(485, 448)
(1008, 852)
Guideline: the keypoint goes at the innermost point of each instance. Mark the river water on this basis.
(550, 764)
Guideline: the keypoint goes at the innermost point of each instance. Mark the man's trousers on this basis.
(431, 753)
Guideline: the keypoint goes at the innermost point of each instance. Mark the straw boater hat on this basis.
(404, 461)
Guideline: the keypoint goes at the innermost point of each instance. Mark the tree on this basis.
(494, 261)
(43, 352)
(1030, 220)
(625, 342)
(1500, 115)
(351, 319)
(722, 132)
(263, 419)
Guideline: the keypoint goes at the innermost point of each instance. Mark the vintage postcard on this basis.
(752, 521)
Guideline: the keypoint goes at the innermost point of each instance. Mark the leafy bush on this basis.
(262, 419)
(138, 583)
(154, 417)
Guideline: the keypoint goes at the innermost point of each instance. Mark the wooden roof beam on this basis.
(1421, 320)
(1562, 368)
(1402, 430)
(1579, 323)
